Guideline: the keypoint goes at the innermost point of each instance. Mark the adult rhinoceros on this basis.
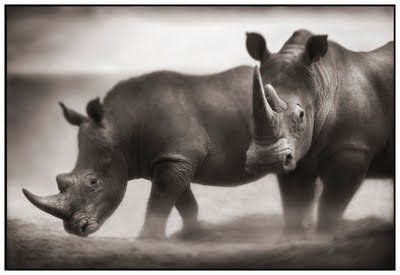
(166, 127)
(325, 112)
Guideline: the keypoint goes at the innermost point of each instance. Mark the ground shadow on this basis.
(250, 242)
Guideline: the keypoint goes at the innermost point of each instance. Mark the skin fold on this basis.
(334, 121)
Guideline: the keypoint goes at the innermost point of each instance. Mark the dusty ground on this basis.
(251, 242)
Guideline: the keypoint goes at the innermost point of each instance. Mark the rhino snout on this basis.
(289, 163)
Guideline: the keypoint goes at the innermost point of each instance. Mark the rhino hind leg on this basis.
(297, 193)
(341, 178)
(171, 179)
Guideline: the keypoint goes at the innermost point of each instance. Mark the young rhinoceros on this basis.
(325, 112)
(166, 127)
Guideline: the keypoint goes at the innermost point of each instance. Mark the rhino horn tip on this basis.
(256, 70)
(61, 104)
(29, 195)
(26, 192)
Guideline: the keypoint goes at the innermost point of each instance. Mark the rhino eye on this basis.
(301, 115)
(93, 181)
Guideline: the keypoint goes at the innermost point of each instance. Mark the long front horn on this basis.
(277, 103)
(265, 119)
(54, 205)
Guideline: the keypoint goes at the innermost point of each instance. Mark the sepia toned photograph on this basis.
(200, 137)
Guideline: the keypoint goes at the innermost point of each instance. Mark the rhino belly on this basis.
(223, 169)
(382, 165)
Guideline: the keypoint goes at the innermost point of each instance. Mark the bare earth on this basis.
(249, 242)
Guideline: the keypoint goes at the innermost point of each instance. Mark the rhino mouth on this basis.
(259, 168)
(277, 157)
(82, 227)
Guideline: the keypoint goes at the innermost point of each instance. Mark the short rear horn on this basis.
(276, 102)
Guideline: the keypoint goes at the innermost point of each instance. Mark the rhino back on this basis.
(202, 118)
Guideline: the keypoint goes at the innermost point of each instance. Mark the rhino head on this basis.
(284, 90)
(95, 187)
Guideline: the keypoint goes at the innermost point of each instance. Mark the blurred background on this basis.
(73, 54)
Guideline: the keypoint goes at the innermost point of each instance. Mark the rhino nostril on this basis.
(84, 226)
(289, 163)
(288, 159)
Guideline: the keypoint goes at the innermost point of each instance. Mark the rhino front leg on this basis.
(188, 209)
(342, 177)
(170, 180)
(297, 194)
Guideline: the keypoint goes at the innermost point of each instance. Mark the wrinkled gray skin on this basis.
(166, 127)
(320, 110)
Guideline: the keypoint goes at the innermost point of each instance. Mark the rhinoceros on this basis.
(167, 127)
(321, 111)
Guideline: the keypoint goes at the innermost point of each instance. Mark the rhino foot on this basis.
(148, 235)
(192, 233)
(292, 235)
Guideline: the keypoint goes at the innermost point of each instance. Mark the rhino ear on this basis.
(316, 47)
(71, 116)
(256, 46)
(95, 110)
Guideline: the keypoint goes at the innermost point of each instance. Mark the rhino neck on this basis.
(325, 80)
(125, 136)
(131, 149)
